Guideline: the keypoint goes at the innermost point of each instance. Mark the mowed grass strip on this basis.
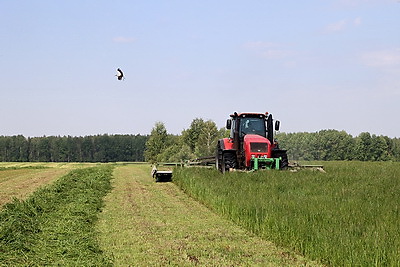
(348, 216)
(145, 223)
(55, 225)
(20, 182)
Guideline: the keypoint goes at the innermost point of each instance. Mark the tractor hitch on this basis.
(265, 163)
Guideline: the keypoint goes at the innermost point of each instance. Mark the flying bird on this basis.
(120, 74)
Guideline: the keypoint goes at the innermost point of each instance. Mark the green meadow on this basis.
(115, 214)
(348, 216)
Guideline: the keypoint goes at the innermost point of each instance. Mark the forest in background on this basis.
(98, 148)
(198, 140)
(338, 145)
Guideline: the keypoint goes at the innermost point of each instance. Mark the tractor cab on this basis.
(251, 123)
(248, 125)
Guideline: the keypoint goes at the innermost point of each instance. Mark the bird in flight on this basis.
(120, 74)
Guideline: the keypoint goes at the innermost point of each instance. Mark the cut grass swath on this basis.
(55, 226)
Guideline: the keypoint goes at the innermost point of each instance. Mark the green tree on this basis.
(379, 148)
(18, 148)
(157, 142)
(191, 135)
(334, 145)
(363, 147)
(395, 149)
(138, 145)
(207, 139)
(40, 149)
(177, 151)
(299, 146)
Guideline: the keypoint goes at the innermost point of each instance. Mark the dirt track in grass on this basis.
(145, 223)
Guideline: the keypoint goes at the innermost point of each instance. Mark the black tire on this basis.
(278, 153)
(229, 160)
(223, 164)
(224, 159)
(218, 159)
(221, 161)
(284, 162)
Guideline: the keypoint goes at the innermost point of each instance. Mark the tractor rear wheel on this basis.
(224, 161)
(219, 158)
(229, 160)
(219, 161)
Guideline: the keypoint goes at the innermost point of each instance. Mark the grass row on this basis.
(22, 167)
(346, 217)
(55, 226)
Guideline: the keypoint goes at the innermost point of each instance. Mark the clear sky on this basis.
(332, 64)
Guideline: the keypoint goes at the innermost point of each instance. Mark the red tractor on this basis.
(251, 144)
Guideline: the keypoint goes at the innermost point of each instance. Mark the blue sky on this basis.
(314, 65)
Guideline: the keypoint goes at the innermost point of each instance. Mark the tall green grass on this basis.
(348, 216)
(55, 226)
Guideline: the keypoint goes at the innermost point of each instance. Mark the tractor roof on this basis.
(249, 114)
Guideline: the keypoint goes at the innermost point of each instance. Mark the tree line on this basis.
(339, 145)
(199, 140)
(98, 148)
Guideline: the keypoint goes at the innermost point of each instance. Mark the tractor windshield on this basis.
(252, 126)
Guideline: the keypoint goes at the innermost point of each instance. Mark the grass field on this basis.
(140, 223)
(348, 216)
(155, 224)
(115, 214)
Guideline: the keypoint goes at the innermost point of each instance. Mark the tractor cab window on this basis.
(233, 127)
(252, 126)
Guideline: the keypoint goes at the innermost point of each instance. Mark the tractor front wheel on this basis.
(278, 153)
